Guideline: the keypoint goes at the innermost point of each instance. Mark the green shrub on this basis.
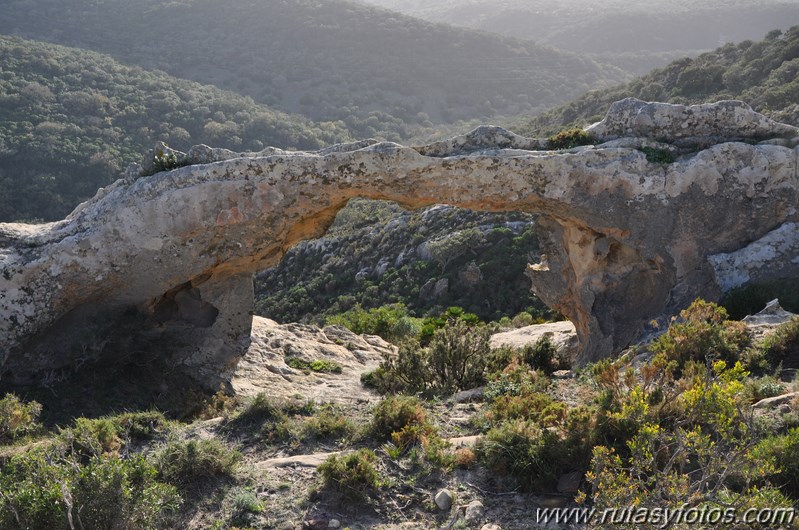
(245, 505)
(695, 426)
(48, 489)
(328, 424)
(92, 437)
(457, 356)
(542, 355)
(522, 449)
(391, 322)
(18, 419)
(354, 476)
(167, 161)
(107, 435)
(403, 421)
(534, 406)
(769, 352)
(702, 333)
(257, 411)
(759, 388)
(111, 492)
(569, 139)
(784, 452)
(455, 359)
(394, 414)
(189, 463)
(658, 156)
(408, 372)
(317, 365)
(522, 319)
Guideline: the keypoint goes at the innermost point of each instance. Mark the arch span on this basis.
(166, 261)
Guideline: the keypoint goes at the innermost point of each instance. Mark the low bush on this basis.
(759, 388)
(542, 355)
(190, 463)
(47, 488)
(245, 505)
(569, 139)
(768, 353)
(354, 476)
(783, 450)
(455, 359)
(18, 419)
(525, 450)
(703, 334)
(328, 423)
(391, 322)
(396, 413)
(658, 156)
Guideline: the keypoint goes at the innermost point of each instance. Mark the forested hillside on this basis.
(71, 120)
(765, 74)
(376, 253)
(635, 35)
(380, 72)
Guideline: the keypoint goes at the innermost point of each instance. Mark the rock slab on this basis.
(161, 266)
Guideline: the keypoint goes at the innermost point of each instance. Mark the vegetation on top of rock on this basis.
(71, 120)
(763, 74)
(326, 60)
(569, 138)
(658, 156)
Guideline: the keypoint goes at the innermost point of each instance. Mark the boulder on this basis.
(444, 499)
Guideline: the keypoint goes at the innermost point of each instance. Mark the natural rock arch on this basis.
(164, 263)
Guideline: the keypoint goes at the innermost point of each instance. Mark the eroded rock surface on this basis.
(264, 367)
(163, 263)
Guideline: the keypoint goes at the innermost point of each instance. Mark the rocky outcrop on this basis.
(164, 263)
(561, 334)
(265, 367)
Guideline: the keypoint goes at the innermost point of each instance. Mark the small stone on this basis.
(334, 523)
(570, 482)
(490, 526)
(444, 500)
(474, 512)
(466, 396)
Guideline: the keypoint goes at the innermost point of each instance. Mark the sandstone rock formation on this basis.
(162, 265)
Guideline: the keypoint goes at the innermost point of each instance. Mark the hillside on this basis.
(376, 254)
(765, 74)
(636, 36)
(71, 121)
(378, 71)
